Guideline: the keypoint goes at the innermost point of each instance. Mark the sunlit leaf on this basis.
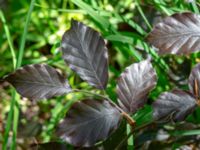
(177, 34)
(175, 105)
(38, 81)
(134, 85)
(84, 50)
(194, 80)
(88, 122)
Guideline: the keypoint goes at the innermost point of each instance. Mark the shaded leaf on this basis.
(176, 104)
(38, 81)
(114, 140)
(194, 80)
(51, 146)
(30, 129)
(134, 84)
(177, 34)
(84, 50)
(60, 146)
(88, 122)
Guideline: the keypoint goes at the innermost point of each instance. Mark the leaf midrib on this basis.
(39, 83)
(92, 120)
(171, 35)
(91, 66)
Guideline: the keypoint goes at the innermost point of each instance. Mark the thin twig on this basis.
(196, 88)
(196, 93)
(124, 114)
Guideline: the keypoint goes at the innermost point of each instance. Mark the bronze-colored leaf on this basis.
(134, 85)
(85, 51)
(177, 34)
(38, 81)
(88, 122)
(175, 105)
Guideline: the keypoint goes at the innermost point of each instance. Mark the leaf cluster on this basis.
(85, 51)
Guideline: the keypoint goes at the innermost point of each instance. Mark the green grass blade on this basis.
(130, 139)
(9, 121)
(19, 62)
(23, 39)
(15, 122)
(185, 132)
(160, 6)
(62, 10)
(143, 15)
(120, 38)
(10, 114)
(194, 7)
(102, 21)
(9, 39)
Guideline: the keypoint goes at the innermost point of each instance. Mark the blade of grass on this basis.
(194, 7)
(23, 39)
(185, 132)
(62, 10)
(102, 21)
(10, 114)
(9, 39)
(9, 121)
(145, 46)
(160, 6)
(139, 42)
(19, 62)
(130, 139)
(143, 15)
(15, 121)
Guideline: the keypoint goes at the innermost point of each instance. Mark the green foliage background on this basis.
(123, 23)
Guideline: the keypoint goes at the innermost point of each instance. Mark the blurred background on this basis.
(124, 24)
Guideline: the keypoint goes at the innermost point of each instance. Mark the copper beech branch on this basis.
(196, 93)
(128, 118)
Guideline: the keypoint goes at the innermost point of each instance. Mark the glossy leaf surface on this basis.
(177, 34)
(175, 105)
(38, 81)
(85, 51)
(88, 122)
(134, 84)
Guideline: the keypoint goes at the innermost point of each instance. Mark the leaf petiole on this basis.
(196, 88)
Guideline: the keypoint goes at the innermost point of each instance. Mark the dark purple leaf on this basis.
(177, 34)
(50, 146)
(29, 129)
(176, 104)
(85, 51)
(88, 122)
(134, 84)
(60, 146)
(194, 80)
(38, 81)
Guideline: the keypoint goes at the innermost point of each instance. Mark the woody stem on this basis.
(124, 114)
